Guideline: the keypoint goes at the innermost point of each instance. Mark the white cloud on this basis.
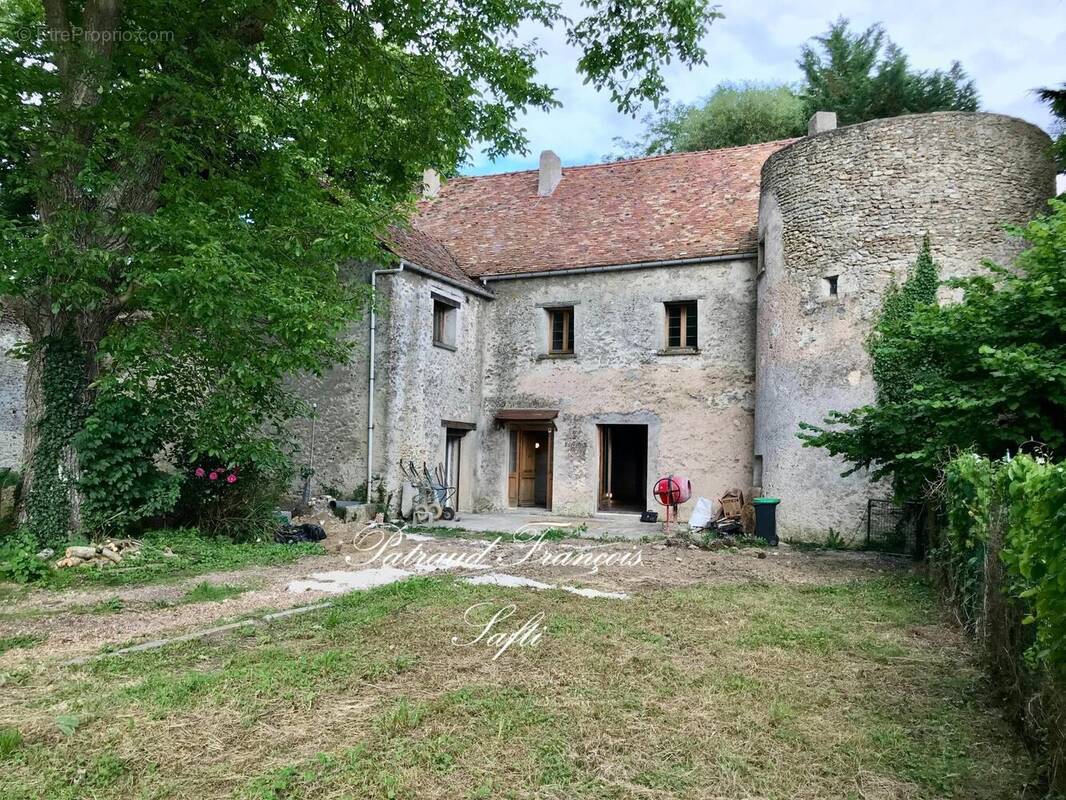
(1009, 50)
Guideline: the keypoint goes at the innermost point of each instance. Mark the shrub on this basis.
(1004, 558)
(234, 501)
(19, 561)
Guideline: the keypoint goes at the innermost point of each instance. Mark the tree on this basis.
(1056, 98)
(863, 76)
(860, 76)
(986, 374)
(180, 182)
(734, 114)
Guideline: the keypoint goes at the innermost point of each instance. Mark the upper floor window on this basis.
(444, 317)
(681, 325)
(561, 331)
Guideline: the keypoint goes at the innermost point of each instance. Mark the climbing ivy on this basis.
(896, 355)
(986, 373)
(63, 376)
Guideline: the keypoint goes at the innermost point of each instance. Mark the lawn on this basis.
(858, 690)
(174, 554)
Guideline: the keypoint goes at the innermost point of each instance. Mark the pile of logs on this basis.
(109, 552)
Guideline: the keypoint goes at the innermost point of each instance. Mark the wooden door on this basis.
(528, 458)
(529, 476)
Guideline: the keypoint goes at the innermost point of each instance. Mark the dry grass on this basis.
(775, 691)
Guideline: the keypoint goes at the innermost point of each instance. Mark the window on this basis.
(831, 284)
(560, 331)
(444, 312)
(681, 325)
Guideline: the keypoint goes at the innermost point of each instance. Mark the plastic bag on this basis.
(702, 514)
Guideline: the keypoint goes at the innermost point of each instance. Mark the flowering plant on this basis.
(216, 474)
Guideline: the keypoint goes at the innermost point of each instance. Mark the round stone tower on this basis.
(842, 215)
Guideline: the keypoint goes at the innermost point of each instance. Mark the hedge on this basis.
(1002, 558)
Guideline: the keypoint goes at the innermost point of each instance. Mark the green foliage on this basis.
(1029, 496)
(734, 114)
(863, 76)
(860, 76)
(171, 554)
(10, 742)
(205, 592)
(9, 500)
(63, 386)
(986, 374)
(243, 510)
(183, 181)
(895, 354)
(121, 484)
(18, 559)
(1056, 99)
(1035, 550)
(22, 640)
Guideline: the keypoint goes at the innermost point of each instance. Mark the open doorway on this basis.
(529, 475)
(623, 467)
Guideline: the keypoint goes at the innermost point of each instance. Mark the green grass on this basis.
(731, 691)
(24, 640)
(205, 592)
(189, 554)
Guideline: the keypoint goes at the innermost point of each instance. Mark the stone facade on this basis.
(698, 407)
(842, 217)
(12, 394)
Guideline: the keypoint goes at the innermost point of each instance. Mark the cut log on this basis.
(81, 552)
(110, 555)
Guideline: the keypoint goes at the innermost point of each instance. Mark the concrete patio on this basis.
(601, 526)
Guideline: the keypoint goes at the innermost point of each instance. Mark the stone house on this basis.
(561, 337)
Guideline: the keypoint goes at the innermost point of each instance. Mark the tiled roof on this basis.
(425, 252)
(683, 205)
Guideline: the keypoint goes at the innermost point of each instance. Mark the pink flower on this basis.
(199, 472)
(232, 478)
(213, 476)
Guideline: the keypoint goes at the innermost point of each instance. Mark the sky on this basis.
(1008, 48)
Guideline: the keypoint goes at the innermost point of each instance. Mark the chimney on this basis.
(821, 122)
(551, 172)
(430, 184)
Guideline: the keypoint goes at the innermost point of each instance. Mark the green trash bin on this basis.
(766, 519)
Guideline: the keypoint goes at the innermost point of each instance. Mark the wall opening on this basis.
(529, 474)
(453, 458)
(623, 467)
(831, 285)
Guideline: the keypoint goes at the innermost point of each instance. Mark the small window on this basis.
(681, 326)
(444, 323)
(561, 330)
(831, 285)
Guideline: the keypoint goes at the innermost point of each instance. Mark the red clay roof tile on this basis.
(683, 205)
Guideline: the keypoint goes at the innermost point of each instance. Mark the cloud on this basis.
(1008, 51)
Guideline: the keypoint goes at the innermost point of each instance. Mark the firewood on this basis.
(110, 555)
(81, 552)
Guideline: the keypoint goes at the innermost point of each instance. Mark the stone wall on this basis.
(423, 384)
(12, 394)
(855, 203)
(698, 407)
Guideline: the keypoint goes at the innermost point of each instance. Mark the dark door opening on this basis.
(529, 477)
(623, 467)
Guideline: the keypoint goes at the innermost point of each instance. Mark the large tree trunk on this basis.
(59, 397)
